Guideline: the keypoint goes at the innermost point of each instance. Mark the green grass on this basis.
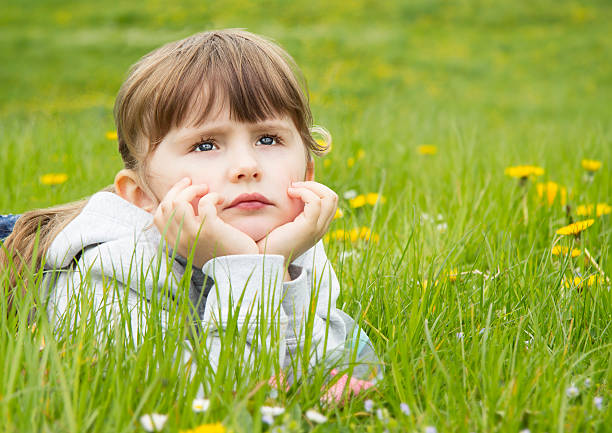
(491, 84)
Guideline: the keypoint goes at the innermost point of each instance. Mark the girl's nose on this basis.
(245, 167)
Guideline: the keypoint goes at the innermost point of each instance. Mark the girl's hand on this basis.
(298, 236)
(204, 232)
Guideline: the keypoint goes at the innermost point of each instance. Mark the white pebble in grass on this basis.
(272, 411)
(316, 417)
(431, 429)
(572, 391)
(200, 405)
(153, 421)
(368, 405)
(598, 402)
(405, 409)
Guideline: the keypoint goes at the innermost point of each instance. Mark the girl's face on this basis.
(250, 165)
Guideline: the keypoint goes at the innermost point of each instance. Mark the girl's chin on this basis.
(255, 231)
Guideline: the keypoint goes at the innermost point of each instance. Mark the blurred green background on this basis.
(491, 83)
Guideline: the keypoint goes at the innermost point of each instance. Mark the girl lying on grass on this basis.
(215, 132)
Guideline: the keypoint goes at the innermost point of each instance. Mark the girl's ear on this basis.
(127, 186)
(310, 169)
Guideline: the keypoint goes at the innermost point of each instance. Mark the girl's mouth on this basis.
(253, 201)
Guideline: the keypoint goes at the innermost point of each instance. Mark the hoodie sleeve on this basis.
(247, 294)
(310, 298)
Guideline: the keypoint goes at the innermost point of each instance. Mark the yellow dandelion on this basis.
(339, 213)
(580, 282)
(425, 284)
(559, 250)
(427, 149)
(361, 154)
(602, 209)
(587, 209)
(591, 165)
(372, 198)
(358, 201)
(353, 235)
(549, 190)
(524, 171)
(53, 178)
(111, 135)
(326, 163)
(207, 428)
(575, 228)
(350, 162)
(563, 196)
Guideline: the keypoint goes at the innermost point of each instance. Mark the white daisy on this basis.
(316, 417)
(572, 391)
(272, 411)
(200, 404)
(153, 421)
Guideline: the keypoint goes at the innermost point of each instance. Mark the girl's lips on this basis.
(252, 201)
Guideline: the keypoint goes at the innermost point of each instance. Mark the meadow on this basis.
(488, 318)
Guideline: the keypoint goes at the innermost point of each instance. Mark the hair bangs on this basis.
(252, 84)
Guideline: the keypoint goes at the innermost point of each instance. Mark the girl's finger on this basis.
(207, 205)
(329, 201)
(172, 192)
(190, 193)
(316, 187)
(312, 203)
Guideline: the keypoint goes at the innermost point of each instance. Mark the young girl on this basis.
(215, 133)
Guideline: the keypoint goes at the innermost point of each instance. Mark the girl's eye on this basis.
(204, 146)
(268, 140)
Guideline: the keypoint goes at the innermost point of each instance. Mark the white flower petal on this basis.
(314, 416)
(200, 405)
(431, 429)
(405, 409)
(598, 402)
(350, 194)
(368, 405)
(153, 421)
(572, 391)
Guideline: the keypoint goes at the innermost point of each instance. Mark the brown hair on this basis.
(179, 84)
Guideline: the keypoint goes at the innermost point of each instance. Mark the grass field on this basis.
(481, 328)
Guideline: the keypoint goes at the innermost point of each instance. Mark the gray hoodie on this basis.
(115, 244)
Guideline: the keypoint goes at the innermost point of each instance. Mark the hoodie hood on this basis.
(106, 217)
